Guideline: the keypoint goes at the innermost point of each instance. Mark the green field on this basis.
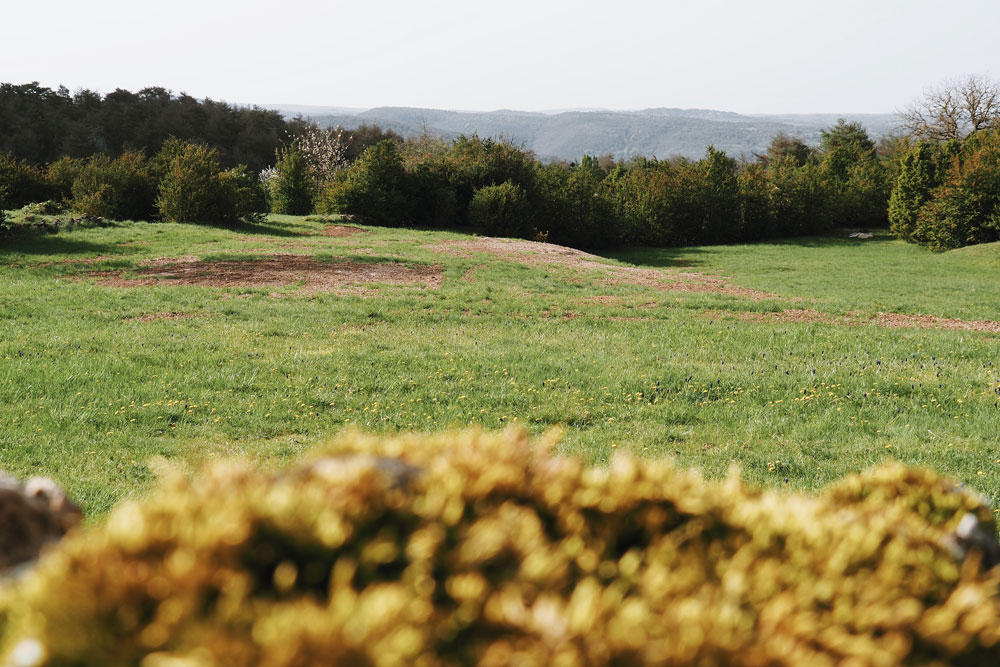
(99, 384)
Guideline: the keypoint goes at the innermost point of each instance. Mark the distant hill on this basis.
(567, 135)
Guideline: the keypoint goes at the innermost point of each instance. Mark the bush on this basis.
(858, 180)
(572, 206)
(291, 188)
(48, 207)
(718, 200)
(487, 549)
(501, 210)
(965, 208)
(21, 183)
(120, 189)
(800, 198)
(374, 188)
(193, 189)
(61, 175)
(472, 163)
(243, 196)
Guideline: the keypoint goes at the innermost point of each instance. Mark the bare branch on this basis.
(954, 110)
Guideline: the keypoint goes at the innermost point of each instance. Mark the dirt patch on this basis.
(339, 231)
(534, 253)
(792, 315)
(603, 300)
(169, 261)
(150, 317)
(853, 318)
(273, 271)
(934, 322)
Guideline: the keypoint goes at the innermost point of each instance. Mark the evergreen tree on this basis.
(291, 189)
(917, 178)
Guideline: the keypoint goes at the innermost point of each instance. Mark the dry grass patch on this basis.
(533, 253)
(854, 318)
(339, 231)
(151, 317)
(272, 271)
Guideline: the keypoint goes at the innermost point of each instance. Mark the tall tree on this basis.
(954, 109)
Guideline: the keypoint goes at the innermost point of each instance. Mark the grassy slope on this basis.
(90, 396)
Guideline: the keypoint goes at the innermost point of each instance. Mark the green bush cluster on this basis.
(120, 189)
(290, 191)
(486, 549)
(714, 200)
(501, 209)
(375, 189)
(947, 195)
(21, 183)
(183, 182)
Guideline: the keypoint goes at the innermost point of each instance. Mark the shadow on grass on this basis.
(687, 256)
(677, 258)
(268, 228)
(56, 244)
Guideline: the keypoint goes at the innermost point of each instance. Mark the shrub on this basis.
(193, 189)
(965, 208)
(21, 183)
(61, 175)
(718, 200)
(858, 180)
(120, 189)
(572, 207)
(917, 178)
(472, 163)
(243, 196)
(487, 549)
(291, 188)
(501, 210)
(373, 189)
(757, 215)
(48, 207)
(800, 198)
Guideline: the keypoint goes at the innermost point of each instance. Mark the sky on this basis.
(764, 56)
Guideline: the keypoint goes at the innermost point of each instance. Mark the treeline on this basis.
(41, 125)
(502, 190)
(184, 182)
(137, 156)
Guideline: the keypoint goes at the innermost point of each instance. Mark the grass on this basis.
(94, 397)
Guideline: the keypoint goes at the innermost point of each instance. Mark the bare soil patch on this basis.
(272, 271)
(534, 253)
(889, 320)
(934, 322)
(342, 230)
(151, 317)
(792, 315)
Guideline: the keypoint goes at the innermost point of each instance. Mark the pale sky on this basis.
(761, 56)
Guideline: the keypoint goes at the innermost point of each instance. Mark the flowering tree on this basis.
(324, 149)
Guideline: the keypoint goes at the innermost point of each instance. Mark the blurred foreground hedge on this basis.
(487, 549)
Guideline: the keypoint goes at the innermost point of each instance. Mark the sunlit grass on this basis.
(90, 394)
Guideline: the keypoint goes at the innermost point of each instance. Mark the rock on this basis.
(32, 515)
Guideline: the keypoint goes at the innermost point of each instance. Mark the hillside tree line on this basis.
(150, 155)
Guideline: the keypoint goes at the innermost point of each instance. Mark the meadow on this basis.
(127, 348)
